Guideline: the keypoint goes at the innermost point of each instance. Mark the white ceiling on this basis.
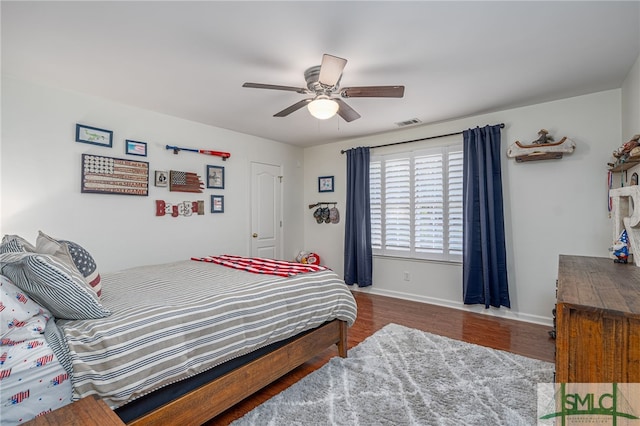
(190, 59)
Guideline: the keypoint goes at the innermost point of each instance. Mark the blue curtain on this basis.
(484, 254)
(358, 258)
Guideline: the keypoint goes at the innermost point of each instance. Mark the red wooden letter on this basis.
(160, 206)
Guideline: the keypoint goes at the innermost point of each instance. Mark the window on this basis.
(416, 204)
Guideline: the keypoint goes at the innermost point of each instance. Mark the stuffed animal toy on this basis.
(312, 259)
(302, 255)
(308, 258)
(627, 147)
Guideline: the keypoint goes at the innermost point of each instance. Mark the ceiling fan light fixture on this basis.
(322, 107)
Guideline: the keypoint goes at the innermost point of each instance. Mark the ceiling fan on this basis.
(323, 82)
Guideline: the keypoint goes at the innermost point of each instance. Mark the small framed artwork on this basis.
(325, 184)
(162, 178)
(215, 177)
(94, 136)
(136, 148)
(217, 204)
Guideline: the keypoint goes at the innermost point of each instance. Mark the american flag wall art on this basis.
(185, 182)
(107, 175)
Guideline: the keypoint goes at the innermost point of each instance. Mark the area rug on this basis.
(403, 376)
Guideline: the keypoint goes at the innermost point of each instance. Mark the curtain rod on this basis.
(418, 140)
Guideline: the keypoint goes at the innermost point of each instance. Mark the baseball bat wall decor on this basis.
(224, 155)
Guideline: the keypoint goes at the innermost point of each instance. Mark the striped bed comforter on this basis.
(175, 320)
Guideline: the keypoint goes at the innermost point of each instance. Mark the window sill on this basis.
(419, 260)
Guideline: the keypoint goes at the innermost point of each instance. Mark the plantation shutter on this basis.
(454, 215)
(397, 204)
(429, 204)
(375, 196)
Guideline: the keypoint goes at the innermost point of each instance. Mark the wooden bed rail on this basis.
(213, 398)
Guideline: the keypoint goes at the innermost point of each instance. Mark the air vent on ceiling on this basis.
(409, 122)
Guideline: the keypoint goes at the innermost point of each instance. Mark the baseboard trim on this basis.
(499, 313)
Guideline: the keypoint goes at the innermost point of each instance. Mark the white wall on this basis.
(40, 185)
(631, 103)
(631, 111)
(551, 207)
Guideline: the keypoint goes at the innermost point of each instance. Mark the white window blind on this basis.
(416, 204)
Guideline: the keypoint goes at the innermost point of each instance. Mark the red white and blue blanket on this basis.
(259, 265)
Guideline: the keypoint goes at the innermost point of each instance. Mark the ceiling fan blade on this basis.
(276, 87)
(373, 92)
(331, 70)
(293, 108)
(345, 111)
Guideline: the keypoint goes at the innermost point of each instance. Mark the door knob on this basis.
(255, 235)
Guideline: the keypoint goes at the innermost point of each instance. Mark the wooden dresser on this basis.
(597, 321)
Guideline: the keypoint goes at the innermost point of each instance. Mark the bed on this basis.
(179, 342)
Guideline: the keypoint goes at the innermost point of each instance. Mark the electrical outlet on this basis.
(406, 276)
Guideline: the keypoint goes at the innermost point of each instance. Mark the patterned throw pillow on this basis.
(73, 254)
(15, 244)
(54, 284)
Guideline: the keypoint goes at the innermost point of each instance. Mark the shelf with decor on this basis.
(626, 156)
(544, 148)
(632, 162)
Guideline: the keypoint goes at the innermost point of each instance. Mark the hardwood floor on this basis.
(374, 312)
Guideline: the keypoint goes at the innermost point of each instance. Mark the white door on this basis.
(266, 211)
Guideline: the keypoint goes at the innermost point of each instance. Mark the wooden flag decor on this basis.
(107, 175)
(185, 182)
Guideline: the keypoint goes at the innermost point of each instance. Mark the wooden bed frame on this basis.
(211, 399)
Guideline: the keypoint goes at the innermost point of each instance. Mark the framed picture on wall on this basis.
(217, 204)
(136, 148)
(325, 184)
(215, 177)
(162, 178)
(94, 136)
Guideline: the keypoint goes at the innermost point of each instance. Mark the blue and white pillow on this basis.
(54, 284)
(15, 244)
